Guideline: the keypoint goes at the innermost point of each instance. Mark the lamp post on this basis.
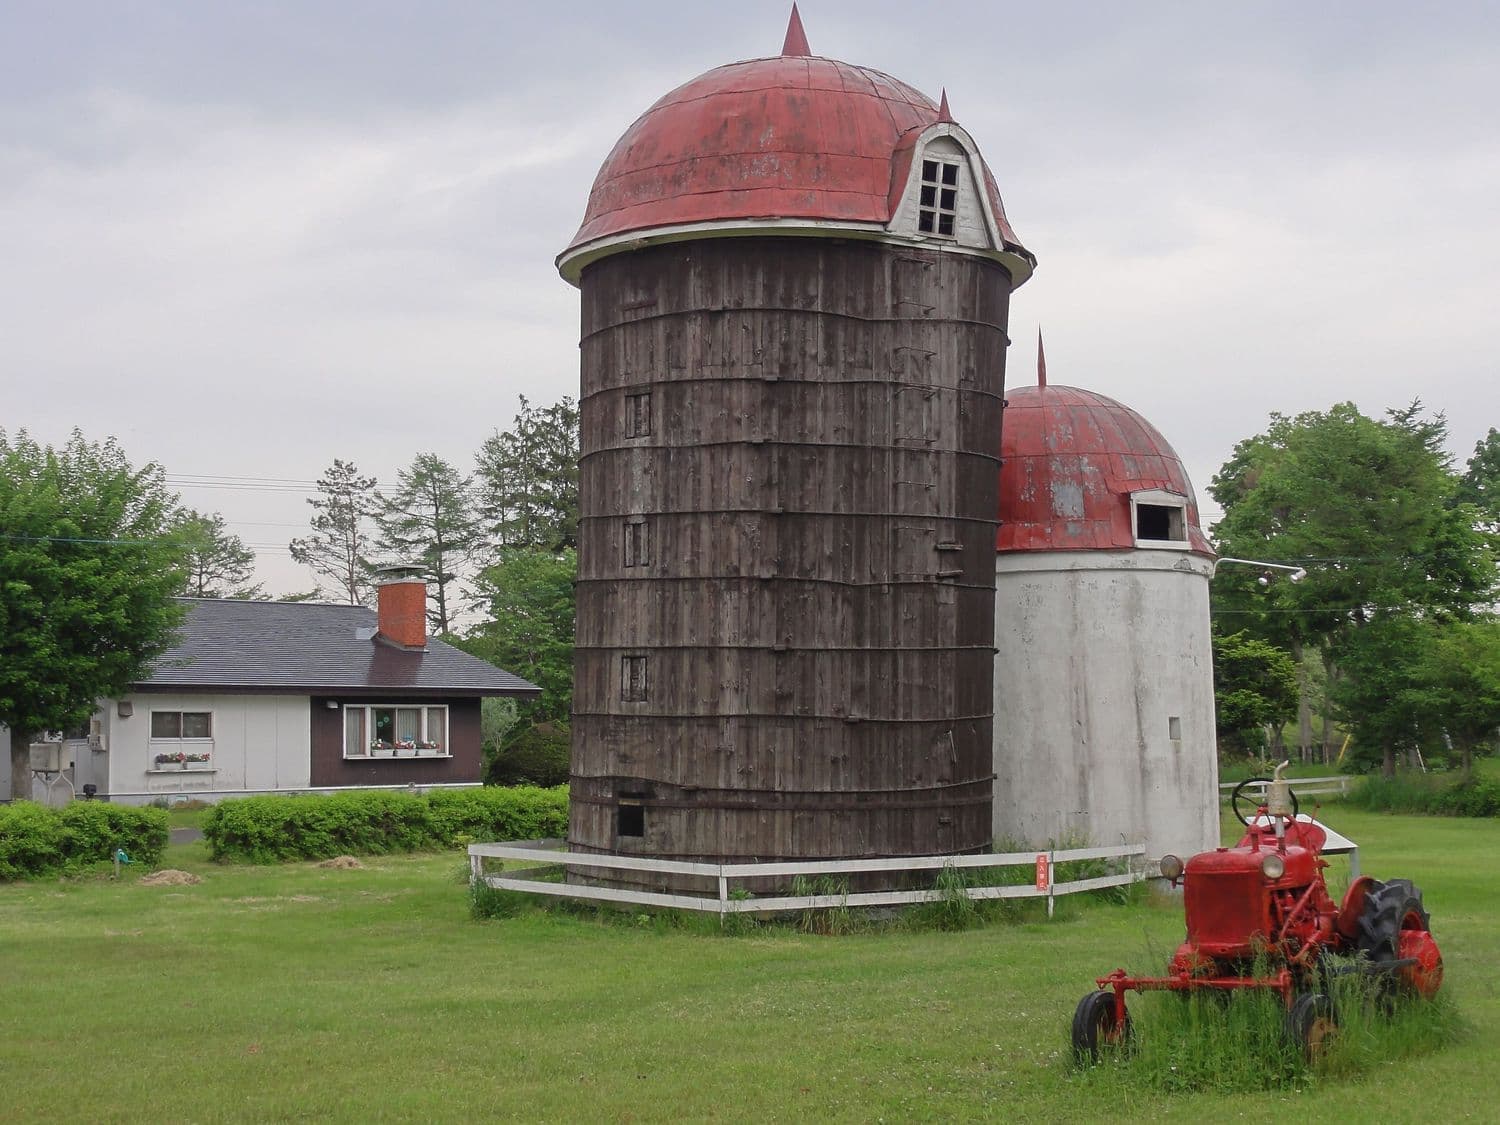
(1296, 573)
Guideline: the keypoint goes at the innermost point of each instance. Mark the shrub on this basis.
(36, 840)
(272, 829)
(1427, 795)
(537, 755)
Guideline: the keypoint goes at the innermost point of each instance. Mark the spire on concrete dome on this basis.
(944, 114)
(796, 38)
(1041, 359)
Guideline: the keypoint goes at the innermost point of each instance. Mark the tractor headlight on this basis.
(1273, 866)
(1171, 867)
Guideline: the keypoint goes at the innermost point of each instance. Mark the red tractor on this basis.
(1259, 916)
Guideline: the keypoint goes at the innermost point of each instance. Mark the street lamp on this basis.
(1297, 573)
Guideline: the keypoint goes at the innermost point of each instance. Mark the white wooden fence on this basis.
(730, 897)
(1339, 784)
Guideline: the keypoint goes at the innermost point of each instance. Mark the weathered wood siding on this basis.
(796, 531)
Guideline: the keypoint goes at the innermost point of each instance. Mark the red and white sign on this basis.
(1043, 872)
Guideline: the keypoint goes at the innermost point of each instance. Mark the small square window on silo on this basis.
(630, 819)
(637, 541)
(937, 206)
(1160, 518)
(633, 679)
(1174, 728)
(638, 415)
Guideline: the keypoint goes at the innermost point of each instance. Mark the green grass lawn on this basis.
(282, 993)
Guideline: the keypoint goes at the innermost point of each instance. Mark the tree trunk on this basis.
(1327, 733)
(1467, 748)
(1387, 763)
(20, 765)
(1304, 706)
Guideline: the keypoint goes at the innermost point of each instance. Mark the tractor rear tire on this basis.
(1095, 1030)
(1311, 1023)
(1393, 925)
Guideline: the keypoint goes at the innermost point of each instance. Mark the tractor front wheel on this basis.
(1311, 1024)
(1394, 926)
(1096, 1028)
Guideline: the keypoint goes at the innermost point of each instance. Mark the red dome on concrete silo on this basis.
(1071, 460)
(790, 137)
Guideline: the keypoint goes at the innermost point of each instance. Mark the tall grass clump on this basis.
(1237, 1042)
(832, 921)
(1427, 795)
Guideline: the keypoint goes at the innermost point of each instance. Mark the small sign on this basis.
(1043, 872)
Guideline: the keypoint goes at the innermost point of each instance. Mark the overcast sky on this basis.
(249, 238)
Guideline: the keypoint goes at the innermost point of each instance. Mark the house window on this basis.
(181, 725)
(633, 678)
(937, 212)
(638, 414)
(1160, 518)
(395, 731)
(637, 542)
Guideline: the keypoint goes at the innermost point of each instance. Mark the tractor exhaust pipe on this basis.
(1279, 803)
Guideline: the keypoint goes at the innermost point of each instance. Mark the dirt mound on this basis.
(342, 862)
(170, 877)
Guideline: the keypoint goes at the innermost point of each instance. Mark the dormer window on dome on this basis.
(937, 210)
(1159, 518)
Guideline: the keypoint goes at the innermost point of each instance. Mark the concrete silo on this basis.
(795, 278)
(1101, 631)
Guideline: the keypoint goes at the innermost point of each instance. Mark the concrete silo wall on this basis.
(1099, 651)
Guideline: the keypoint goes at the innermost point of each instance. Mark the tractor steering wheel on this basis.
(1234, 799)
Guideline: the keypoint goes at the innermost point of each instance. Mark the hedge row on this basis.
(1432, 797)
(272, 829)
(37, 840)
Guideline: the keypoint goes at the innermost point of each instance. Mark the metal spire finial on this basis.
(1041, 359)
(796, 38)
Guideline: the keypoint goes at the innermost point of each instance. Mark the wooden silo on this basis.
(795, 279)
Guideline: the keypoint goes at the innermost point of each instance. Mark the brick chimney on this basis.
(402, 607)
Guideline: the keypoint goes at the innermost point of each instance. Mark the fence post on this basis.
(1051, 881)
(723, 894)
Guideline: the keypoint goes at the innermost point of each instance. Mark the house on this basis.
(276, 697)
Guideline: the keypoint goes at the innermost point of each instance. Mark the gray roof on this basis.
(309, 647)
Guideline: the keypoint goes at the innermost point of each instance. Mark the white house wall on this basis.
(260, 743)
(1096, 653)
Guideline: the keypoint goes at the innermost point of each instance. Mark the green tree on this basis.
(1370, 508)
(431, 518)
(1375, 694)
(88, 570)
(527, 479)
(528, 597)
(1456, 687)
(1255, 687)
(1480, 485)
(341, 542)
(219, 565)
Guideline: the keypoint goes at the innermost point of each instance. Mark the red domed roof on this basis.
(1071, 460)
(791, 137)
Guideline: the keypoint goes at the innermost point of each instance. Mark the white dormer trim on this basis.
(904, 215)
(1177, 538)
